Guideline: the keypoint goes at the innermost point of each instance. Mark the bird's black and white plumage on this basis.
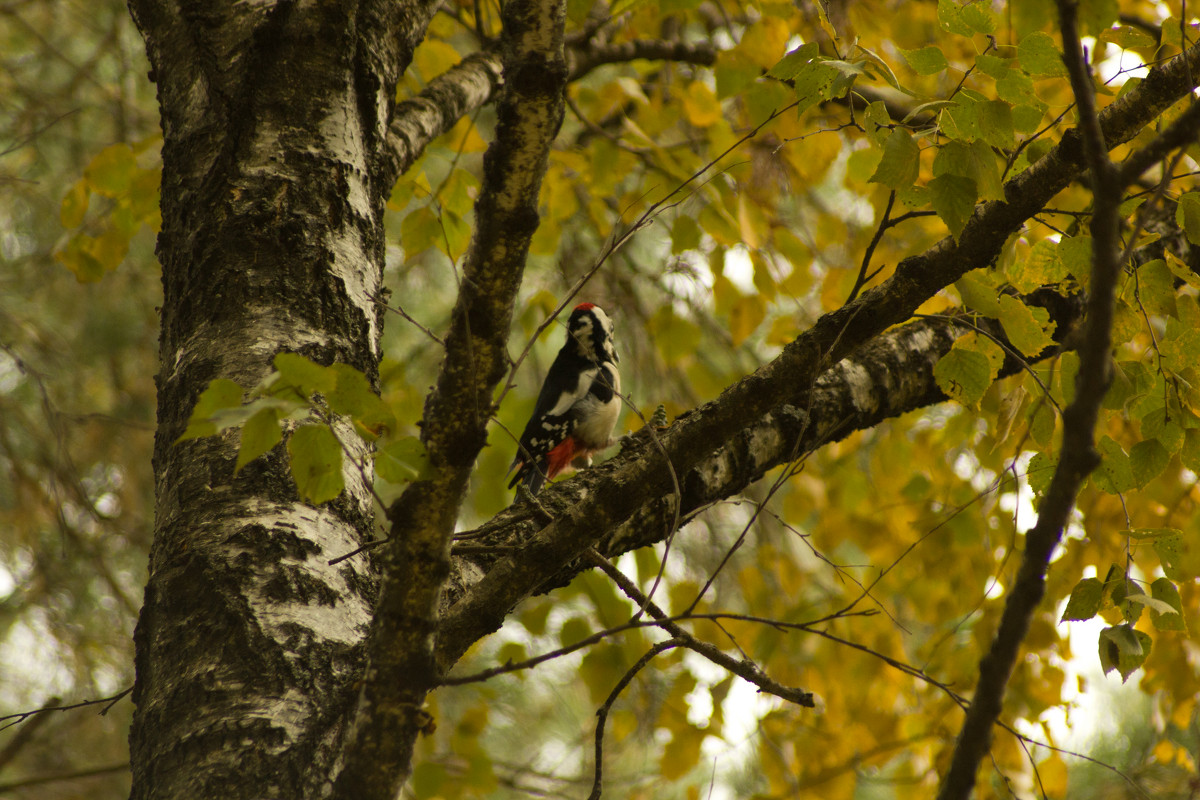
(578, 405)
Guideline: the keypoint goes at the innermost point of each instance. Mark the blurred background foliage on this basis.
(928, 510)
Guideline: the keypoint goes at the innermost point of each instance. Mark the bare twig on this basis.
(602, 713)
(24, 715)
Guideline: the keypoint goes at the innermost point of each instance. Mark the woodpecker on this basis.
(577, 407)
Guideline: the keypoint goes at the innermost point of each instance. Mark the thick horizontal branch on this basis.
(583, 59)
(636, 481)
(889, 376)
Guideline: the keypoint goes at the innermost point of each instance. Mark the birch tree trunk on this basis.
(275, 173)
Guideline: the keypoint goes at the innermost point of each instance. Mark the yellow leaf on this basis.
(112, 170)
(464, 137)
(109, 248)
(74, 204)
(745, 316)
(681, 753)
(766, 42)
(434, 57)
(748, 220)
(1053, 772)
(1182, 715)
(700, 105)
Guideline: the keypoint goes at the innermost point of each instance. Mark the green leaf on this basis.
(1016, 87)
(112, 171)
(456, 235)
(953, 198)
(1043, 425)
(960, 120)
(573, 631)
(863, 162)
(305, 375)
(352, 395)
(930, 107)
(260, 433)
(1171, 618)
(1076, 255)
(961, 20)
(1039, 56)
(978, 293)
(979, 17)
(927, 60)
(975, 161)
(1086, 599)
(1043, 267)
(813, 84)
(1124, 596)
(875, 64)
(1027, 118)
(1026, 326)
(901, 163)
(1126, 37)
(1189, 454)
(1096, 16)
(685, 234)
(993, 66)
(950, 18)
(1181, 347)
(880, 121)
(995, 121)
(1147, 459)
(1152, 534)
(419, 231)
(964, 375)
(1168, 549)
(316, 463)
(745, 316)
(1041, 472)
(1181, 270)
(1168, 432)
(1153, 287)
(791, 65)
(402, 461)
(1187, 216)
(1124, 649)
(1114, 475)
(1155, 605)
(109, 248)
(222, 393)
(681, 754)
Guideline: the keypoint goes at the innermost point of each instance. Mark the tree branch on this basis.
(473, 82)
(884, 379)
(745, 669)
(1078, 457)
(584, 58)
(449, 97)
(401, 670)
(634, 483)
